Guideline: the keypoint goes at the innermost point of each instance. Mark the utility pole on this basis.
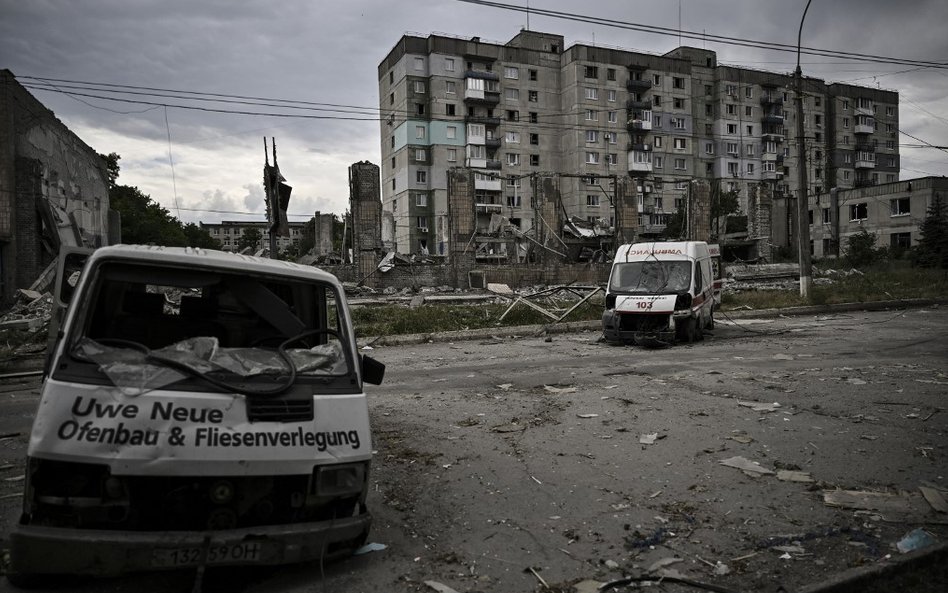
(803, 202)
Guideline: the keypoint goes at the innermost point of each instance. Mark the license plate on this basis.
(216, 554)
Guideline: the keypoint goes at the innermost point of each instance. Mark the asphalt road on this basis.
(516, 465)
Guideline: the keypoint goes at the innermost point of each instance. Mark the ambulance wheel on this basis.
(685, 330)
(699, 331)
(711, 320)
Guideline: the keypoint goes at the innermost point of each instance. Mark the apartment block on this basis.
(229, 232)
(511, 111)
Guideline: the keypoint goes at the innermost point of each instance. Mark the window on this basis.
(513, 201)
(449, 64)
(391, 98)
(533, 74)
(732, 128)
(534, 139)
(678, 103)
(659, 162)
(452, 155)
(900, 206)
(514, 182)
(610, 73)
(419, 131)
(419, 63)
(592, 94)
(732, 148)
(732, 169)
(419, 87)
(708, 90)
(748, 111)
(612, 159)
(422, 223)
(592, 115)
(612, 117)
(512, 138)
(678, 123)
(533, 96)
(513, 158)
(512, 94)
(846, 175)
(419, 154)
(889, 110)
(656, 80)
(708, 129)
(731, 109)
(657, 141)
(749, 149)
(657, 100)
(450, 109)
(592, 158)
(678, 82)
(818, 120)
(610, 137)
(611, 96)
(421, 200)
(420, 108)
(656, 121)
(511, 72)
(826, 216)
(750, 168)
(709, 148)
(858, 211)
(450, 87)
(592, 136)
(533, 117)
(534, 160)
(890, 144)
(592, 200)
(900, 240)
(681, 143)
(864, 103)
(590, 72)
(680, 164)
(708, 109)
(391, 76)
(451, 132)
(513, 115)
(393, 140)
(750, 130)
(845, 122)
(730, 90)
(421, 176)
(749, 92)
(845, 105)
(768, 166)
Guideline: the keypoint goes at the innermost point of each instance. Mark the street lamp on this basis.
(803, 202)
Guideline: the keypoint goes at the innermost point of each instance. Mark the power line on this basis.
(701, 36)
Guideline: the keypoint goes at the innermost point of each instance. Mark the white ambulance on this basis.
(659, 293)
(199, 408)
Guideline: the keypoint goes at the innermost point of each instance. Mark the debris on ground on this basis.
(439, 587)
(915, 540)
(901, 507)
(794, 476)
(934, 498)
(648, 439)
(367, 548)
(759, 406)
(747, 466)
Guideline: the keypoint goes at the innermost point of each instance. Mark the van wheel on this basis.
(685, 330)
(711, 320)
(699, 331)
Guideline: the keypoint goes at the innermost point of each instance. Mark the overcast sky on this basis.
(328, 52)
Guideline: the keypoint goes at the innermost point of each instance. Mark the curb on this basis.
(523, 331)
(920, 571)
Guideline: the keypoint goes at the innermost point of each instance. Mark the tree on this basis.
(146, 222)
(932, 249)
(250, 239)
(861, 249)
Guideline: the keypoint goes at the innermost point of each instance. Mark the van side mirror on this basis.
(373, 371)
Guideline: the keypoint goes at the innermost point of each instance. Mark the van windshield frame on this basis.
(652, 276)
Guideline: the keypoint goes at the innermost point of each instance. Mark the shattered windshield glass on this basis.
(136, 370)
(651, 277)
(147, 326)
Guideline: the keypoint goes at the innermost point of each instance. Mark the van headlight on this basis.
(340, 480)
(683, 301)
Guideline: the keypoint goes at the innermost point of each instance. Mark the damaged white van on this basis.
(659, 293)
(199, 408)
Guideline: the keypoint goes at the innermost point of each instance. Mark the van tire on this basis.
(710, 325)
(686, 330)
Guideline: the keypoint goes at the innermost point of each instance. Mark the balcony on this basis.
(773, 134)
(640, 162)
(771, 99)
(482, 74)
(865, 163)
(642, 123)
(638, 86)
(639, 147)
(772, 119)
(482, 119)
(492, 142)
(768, 157)
(493, 164)
(489, 208)
(638, 105)
(864, 128)
(481, 97)
(771, 175)
(487, 184)
(863, 111)
(475, 163)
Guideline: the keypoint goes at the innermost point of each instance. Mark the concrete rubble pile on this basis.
(23, 326)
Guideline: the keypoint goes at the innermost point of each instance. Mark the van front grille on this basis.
(279, 410)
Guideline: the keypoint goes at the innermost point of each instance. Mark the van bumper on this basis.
(57, 550)
(659, 327)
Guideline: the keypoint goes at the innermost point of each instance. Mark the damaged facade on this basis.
(53, 189)
(509, 112)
